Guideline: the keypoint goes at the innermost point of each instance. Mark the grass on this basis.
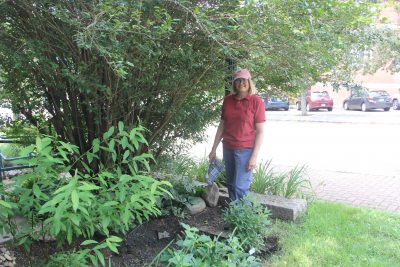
(338, 235)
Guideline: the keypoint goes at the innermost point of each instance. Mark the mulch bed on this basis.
(142, 244)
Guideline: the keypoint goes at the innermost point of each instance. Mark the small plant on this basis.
(86, 257)
(287, 184)
(202, 250)
(250, 221)
(262, 178)
(296, 183)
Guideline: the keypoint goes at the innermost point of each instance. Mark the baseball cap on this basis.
(243, 73)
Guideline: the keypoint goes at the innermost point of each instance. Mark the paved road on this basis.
(352, 156)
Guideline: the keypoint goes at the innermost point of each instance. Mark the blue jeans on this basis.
(238, 178)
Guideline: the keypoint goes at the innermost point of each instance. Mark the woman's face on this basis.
(242, 85)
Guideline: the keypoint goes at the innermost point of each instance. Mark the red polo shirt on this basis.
(240, 117)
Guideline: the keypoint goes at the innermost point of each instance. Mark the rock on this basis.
(195, 205)
(280, 207)
(162, 235)
(2, 258)
(8, 257)
(3, 250)
(211, 195)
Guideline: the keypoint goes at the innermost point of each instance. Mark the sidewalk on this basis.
(356, 189)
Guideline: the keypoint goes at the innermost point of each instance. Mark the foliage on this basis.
(179, 195)
(250, 221)
(85, 257)
(201, 250)
(262, 177)
(386, 53)
(338, 235)
(112, 198)
(83, 66)
(7, 212)
(287, 184)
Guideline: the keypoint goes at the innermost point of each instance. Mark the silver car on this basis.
(366, 100)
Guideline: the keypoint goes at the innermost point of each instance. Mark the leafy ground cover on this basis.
(338, 235)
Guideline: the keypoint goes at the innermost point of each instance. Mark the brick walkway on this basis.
(356, 189)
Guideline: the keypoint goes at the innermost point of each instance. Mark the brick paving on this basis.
(356, 189)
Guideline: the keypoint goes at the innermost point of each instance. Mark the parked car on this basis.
(316, 101)
(395, 102)
(276, 102)
(366, 100)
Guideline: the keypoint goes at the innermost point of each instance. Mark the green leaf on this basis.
(111, 246)
(109, 133)
(5, 204)
(89, 242)
(96, 145)
(88, 187)
(69, 234)
(125, 178)
(75, 200)
(89, 157)
(114, 238)
(125, 156)
(100, 257)
(75, 219)
(93, 259)
(120, 126)
(36, 190)
(124, 142)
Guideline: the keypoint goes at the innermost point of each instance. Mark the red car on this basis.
(316, 101)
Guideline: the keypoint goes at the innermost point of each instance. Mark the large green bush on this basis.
(113, 198)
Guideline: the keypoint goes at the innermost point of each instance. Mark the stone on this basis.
(211, 195)
(195, 205)
(213, 232)
(280, 207)
(162, 235)
(3, 250)
(2, 258)
(8, 257)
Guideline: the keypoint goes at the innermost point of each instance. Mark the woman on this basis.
(241, 130)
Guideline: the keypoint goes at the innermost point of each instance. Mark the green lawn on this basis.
(338, 235)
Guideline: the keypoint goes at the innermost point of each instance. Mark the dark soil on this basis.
(142, 245)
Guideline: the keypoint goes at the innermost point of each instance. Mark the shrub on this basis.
(99, 199)
(201, 250)
(250, 221)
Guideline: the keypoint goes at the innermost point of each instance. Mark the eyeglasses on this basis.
(240, 80)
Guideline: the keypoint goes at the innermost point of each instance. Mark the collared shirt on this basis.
(240, 117)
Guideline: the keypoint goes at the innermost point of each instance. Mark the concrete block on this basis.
(280, 207)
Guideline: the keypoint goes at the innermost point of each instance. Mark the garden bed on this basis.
(142, 243)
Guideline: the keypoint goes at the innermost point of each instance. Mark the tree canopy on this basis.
(82, 66)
